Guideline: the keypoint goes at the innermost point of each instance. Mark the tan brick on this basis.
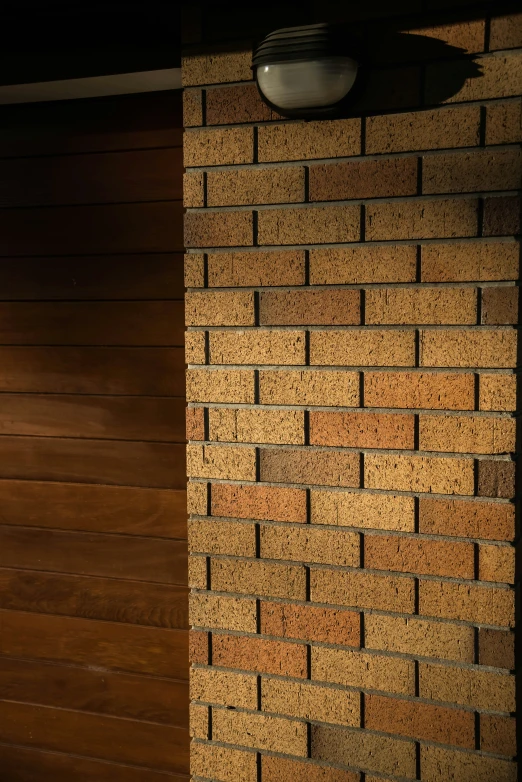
(260, 731)
(309, 140)
(195, 347)
(471, 603)
(195, 423)
(425, 390)
(224, 385)
(222, 613)
(419, 555)
(362, 348)
(470, 172)
(194, 270)
(446, 765)
(222, 537)
(361, 669)
(506, 32)
(309, 387)
(256, 186)
(222, 763)
(197, 498)
(436, 129)
(311, 307)
(309, 225)
(362, 263)
(366, 750)
(421, 305)
(310, 545)
(238, 103)
(497, 563)
(470, 261)
(197, 572)
(259, 655)
(218, 229)
(497, 392)
(198, 647)
(240, 425)
(500, 306)
(419, 473)
(215, 461)
(421, 219)
(257, 347)
(276, 769)
(498, 734)
(219, 67)
(496, 478)
(419, 637)
(270, 503)
(504, 123)
(502, 216)
(469, 687)
(367, 511)
(311, 702)
(258, 578)
(192, 108)
(362, 430)
(219, 308)
(236, 690)
(275, 267)
(496, 648)
(486, 520)
(218, 146)
(469, 36)
(311, 623)
(419, 721)
(198, 721)
(484, 348)
(362, 590)
(499, 78)
(310, 466)
(466, 434)
(363, 179)
(193, 189)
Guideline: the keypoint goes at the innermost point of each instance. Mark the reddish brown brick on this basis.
(309, 466)
(428, 390)
(502, 216)
(259, 502)
(486, 520)
(363, 179)
(506, 32)
(498, 734)
(500, 306)
(311, 307)
(437, 129)
(260, 655)
(496, 478)
(469, 172)
(421, 219)
(362, 263)
(419, 555)
(362, 430)
(496, 648)
(309, 225)
(253, 268)
(255, 186)
(309, 140)
(311, 623)
(504, 123)
(421, 305)
(275, 769)
(195, 423)
(198, 647)
(470, 261)
(218, 229)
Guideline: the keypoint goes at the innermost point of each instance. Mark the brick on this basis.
(504, 123)
(362, 348)
(471, 172)
(222, 537)
(222, 613)
(425, 390)
(255, 186)
(198, 721)
(419, 473)
(218, 147)
(258, 425)
(198, 647)
(224, 385)
(309, 387)
(421, 219)
(390, 89)
(500, 306)
(361, 669)
(310, 307)
(419, 637)
(366, 511)
(258, 578)
(310, 545)
(466, 434)
(499, 78)
(195, 423)
(275, 267)
(498, 734)
(467, 686)
(270, 503)
(420, 721)
(497, 563)
(506, 32)
(365, 750)
(502, 216)
(215, 461)
(193, 189)
(310, 466)
(496, 478)
(310, 623)
(362, 590)
(275, 769)
(195, 347)
(470, 261)
(259, 655)
(218, 229)
(309, 140)
(235, 690)
(441, 128)
(257, 347)
(362, 263)
(486, 520)
(419, 555)
(446, 765)
(309, 225)
(222, 764)
(197, 498)
(219, 67)
(311, 702)
(260, 731)
(192, 108)
(197, 572)
(219, 308)
(194, 270)
(362, 430)
(468, 36)
(421, 305)
(471, 603)
(238, 103)
(496, 648)
(363, 179)
(484, 348)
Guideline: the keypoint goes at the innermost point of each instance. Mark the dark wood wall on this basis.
(93, 560)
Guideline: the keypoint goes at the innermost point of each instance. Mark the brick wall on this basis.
(351, 347)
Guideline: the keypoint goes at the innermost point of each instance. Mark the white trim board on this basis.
(92, 86)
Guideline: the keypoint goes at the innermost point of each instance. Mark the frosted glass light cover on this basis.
(307, 83)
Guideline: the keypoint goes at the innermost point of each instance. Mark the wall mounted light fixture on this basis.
(305, 71)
